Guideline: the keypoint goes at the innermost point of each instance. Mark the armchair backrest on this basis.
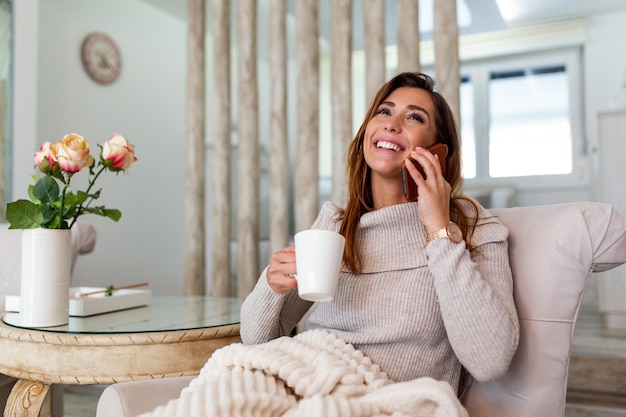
(553, 251)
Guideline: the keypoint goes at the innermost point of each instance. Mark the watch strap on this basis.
(439, 234)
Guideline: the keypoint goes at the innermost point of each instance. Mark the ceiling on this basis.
(475, 16)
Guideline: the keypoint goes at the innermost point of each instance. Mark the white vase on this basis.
(46, 269)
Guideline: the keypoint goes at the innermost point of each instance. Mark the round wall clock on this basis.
(101, 58)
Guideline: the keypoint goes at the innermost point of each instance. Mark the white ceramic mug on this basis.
(318, 261)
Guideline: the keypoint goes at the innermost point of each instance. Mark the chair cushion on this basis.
(553, 250)
(130, 399)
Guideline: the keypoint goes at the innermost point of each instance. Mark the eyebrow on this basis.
(410, 107)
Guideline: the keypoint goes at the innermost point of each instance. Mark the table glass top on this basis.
(164, 314)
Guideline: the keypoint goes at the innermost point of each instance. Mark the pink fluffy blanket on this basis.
(314, 374)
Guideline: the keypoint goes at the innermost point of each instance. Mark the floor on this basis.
(589, 339)
(596, 382)
(81, 400)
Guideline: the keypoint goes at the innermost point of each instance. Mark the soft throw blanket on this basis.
(314, 374)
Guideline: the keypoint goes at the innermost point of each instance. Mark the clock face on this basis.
(101, 58)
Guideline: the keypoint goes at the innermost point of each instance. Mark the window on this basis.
(521, 119)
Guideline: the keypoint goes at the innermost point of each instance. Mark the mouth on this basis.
(390, 146)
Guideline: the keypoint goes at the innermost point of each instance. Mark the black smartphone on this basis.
(410, 188)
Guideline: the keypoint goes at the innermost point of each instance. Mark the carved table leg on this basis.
(26, 399)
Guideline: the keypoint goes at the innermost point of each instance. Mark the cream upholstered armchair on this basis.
(83, 241)
(553, 251)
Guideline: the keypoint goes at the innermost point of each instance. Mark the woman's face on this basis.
(403, 121)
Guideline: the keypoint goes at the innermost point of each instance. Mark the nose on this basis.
(393, 124)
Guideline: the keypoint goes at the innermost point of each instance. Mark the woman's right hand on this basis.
(282, 270)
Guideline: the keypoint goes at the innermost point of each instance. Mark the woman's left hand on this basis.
(433, 202)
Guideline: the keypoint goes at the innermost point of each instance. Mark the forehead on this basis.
(406, 96)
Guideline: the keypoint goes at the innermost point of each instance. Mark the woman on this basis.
(426, 286)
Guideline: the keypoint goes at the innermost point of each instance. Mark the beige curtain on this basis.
(306, 173)
(374, 24)
(279, 143)
(446, 42)
(221, 155)
(195, 159)
(247, 151)
(407, 23)
(301, 179)
(341, 99)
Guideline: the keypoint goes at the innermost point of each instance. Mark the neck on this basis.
(387, 192)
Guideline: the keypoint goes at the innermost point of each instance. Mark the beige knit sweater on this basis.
(416, 310)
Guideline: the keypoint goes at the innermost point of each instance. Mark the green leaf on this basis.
(113, 214)
(23, 214)
(49, 212)
(32, 196)
(81, 197)
(55, 223)
(46, 190)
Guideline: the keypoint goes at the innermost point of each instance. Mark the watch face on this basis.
(454, 233)
(101, 58)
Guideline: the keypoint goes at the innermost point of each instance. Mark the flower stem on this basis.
(92, 181)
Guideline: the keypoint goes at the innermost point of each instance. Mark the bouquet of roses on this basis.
(52, 204)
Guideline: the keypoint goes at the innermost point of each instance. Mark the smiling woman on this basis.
(5, 60)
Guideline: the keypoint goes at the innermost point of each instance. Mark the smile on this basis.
(382, 144)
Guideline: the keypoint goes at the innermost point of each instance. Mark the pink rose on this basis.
(44, 158)
(117, 153)
(72, 153)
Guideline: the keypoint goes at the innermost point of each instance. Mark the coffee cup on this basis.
(318, 261)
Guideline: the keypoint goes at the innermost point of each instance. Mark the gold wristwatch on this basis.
(452, 231)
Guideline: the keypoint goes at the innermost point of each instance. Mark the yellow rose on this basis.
(72, 153)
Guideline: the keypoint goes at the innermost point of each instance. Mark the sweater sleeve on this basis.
(267, 315)
(475, 293)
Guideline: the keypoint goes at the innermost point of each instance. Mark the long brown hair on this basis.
(360, 200)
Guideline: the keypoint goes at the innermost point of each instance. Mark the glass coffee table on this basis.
(173, 336)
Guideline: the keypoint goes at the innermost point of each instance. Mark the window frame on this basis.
(479, 72)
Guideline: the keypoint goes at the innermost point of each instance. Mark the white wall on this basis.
(605, 67)
(146, 104)
(54, 96)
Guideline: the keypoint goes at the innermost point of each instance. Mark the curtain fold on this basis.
(221, 155)
(407, 22)
(374, 19)
(446, 43)
(341, 99)
(306, 170)
(247, 151)
(279, 144)
(195, 152)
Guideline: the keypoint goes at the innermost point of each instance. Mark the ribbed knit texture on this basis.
(417, 310)
(314, 374)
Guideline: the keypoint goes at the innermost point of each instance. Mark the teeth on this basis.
(388, 145)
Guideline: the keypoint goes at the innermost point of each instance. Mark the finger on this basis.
(284, 283)
(429, 161)
(281, 271)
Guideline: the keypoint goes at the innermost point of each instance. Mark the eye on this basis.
(416, 116)
(383, 110)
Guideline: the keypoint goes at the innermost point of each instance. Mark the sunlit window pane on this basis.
(530, 130)
(468, 142)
